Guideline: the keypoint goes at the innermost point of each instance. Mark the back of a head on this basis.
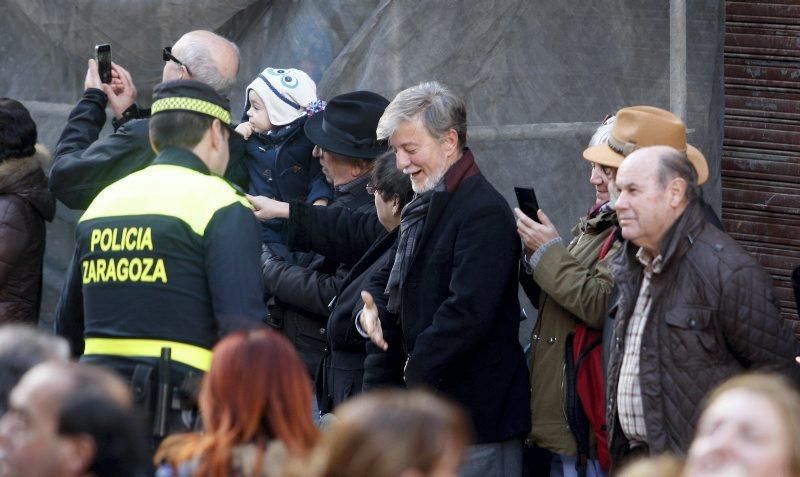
(17, 130)
(656, 466)
(97, 404)
(183, 110)
(212, 59)
(117, 432)
(21, 348)
(390, 180)
(256, 390)
(383, 433)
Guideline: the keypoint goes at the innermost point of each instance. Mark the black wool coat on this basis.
(459, 317)
(304, 292)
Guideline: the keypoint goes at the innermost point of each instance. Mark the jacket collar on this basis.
(602, 219)
(353, 185)
(175, 156)
(13, 170)
(681, 236)
(463, 168)
(626, 268)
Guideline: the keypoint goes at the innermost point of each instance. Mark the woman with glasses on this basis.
(341, 372)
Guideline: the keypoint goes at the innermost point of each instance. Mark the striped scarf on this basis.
(412, 219)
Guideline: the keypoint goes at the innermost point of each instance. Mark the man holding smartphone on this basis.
(84, 165)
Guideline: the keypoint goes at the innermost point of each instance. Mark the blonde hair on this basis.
(659, 466)
(383, 433)
(778, 390)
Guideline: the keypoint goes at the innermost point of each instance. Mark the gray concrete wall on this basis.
(515, 61)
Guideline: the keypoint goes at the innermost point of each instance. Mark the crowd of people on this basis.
(330, 288)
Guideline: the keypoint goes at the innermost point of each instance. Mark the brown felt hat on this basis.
(641, 126)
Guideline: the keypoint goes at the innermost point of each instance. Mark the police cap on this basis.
(190, 95)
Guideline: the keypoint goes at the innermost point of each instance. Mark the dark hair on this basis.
(674, 164)
(21, 348)
(117, 432)
(391, 181)
(183, 129)
(17, 130)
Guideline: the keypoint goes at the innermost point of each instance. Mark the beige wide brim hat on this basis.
(642, 126)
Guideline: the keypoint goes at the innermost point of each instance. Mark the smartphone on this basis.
(103, 55)
(526, 198)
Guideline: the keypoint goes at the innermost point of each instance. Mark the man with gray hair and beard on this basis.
(694, 309)
(448, 299)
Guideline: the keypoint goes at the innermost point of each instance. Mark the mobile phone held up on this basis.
(526, 198)
(103, 55)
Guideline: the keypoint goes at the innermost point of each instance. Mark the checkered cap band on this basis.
(191, 104)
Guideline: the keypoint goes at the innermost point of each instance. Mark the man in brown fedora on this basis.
(693, 307)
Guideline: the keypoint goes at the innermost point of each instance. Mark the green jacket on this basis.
(574, 286)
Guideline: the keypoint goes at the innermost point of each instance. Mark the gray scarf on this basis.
(412, 219)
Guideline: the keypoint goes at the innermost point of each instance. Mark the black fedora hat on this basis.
(348, 123)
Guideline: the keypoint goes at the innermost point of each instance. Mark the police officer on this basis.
(168, 257)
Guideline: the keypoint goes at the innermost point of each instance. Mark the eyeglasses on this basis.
(371, 189)
(167, 55)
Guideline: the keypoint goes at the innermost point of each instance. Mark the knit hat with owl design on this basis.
(285, 91)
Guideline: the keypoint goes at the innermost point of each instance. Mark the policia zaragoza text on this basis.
(135, 269)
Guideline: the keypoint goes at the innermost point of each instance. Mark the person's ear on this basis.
(218, 139)
(395, 204)
(152, 144)
(77, 453)
(450, 142)
(677, 189)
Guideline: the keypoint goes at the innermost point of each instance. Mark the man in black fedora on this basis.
(304, 293)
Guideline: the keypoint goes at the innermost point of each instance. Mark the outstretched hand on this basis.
(265, 208)
(369, 321)
(534, 234)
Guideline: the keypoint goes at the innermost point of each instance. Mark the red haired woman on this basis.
(255, 403)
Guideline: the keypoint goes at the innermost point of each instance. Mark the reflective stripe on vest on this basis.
(177, 192)
(190, 355)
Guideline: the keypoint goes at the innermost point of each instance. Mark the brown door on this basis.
(761, 150)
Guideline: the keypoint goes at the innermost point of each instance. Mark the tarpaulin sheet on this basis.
(514, 61)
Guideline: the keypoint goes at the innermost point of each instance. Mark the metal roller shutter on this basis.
(761, 150)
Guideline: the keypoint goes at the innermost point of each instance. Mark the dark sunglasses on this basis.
(167, 55)
(371, 189)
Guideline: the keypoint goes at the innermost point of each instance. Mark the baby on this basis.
(280, 163)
